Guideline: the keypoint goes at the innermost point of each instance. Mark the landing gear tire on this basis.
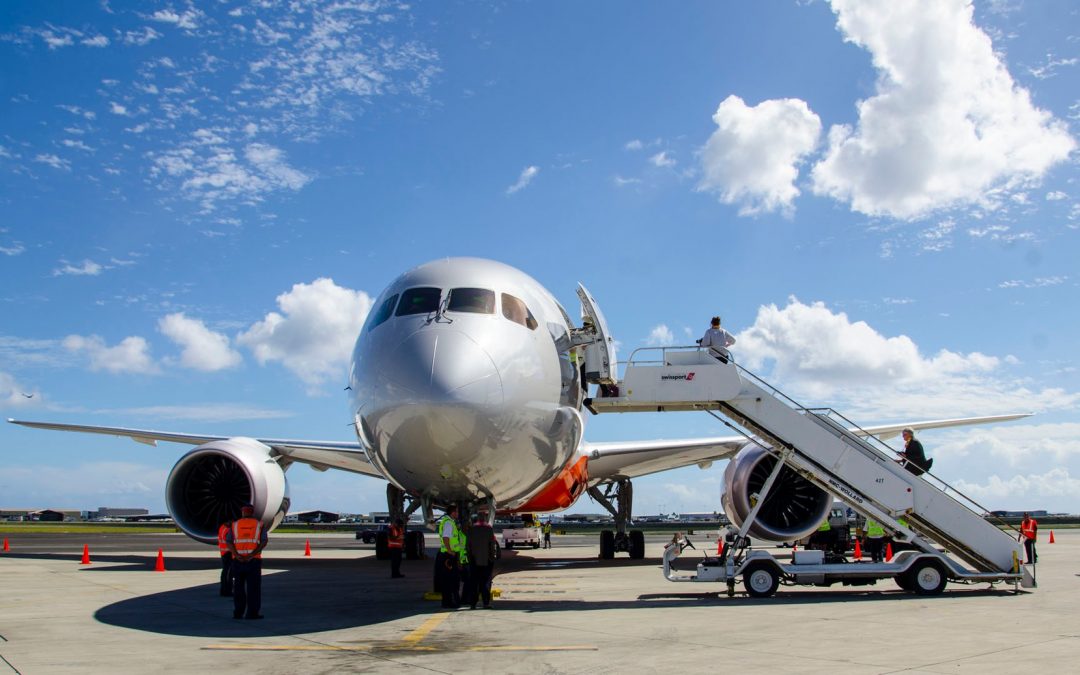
(637, 544)
(414, 545)
(536, 545)
(760, 580)
(607, 544)
(382, 546)
(509, 545)
(927, 577)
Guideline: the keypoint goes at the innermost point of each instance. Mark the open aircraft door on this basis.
(601, 365)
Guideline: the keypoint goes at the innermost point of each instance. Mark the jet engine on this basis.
(208, 486)
(793, 508)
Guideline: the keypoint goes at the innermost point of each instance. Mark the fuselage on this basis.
(463, 388)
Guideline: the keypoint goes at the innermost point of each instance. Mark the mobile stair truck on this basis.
(949, 534)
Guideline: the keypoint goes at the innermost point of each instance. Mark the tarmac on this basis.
(561, 611)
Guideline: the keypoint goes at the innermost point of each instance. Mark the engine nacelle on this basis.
(793, 508)
(208, 486)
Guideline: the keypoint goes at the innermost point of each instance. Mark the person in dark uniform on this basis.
(483, 549)
(247, 538)
(914, 457)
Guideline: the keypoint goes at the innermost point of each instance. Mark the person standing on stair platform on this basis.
(717, 340)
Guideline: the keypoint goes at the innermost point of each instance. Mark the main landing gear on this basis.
(632, 542)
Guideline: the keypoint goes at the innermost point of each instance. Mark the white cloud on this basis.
(314, 334)
(211, 172)
(1056, 195)
(88, 268)
(218, 412)
(131, 355)
(53, 161)
(15, 249)
(96, 41)
(662, 160)
(188, 20)
(16, 395)
(203, 349)
(527, 174)
(822, 357)
(1038, 282)
(1049, 69)
(140, 38)
(622, 182)
(1023, 490)
(661, 336)
(947, 126)
(76, 144)
(72, 485)
(634, 145)
(118, 109)
(753, 156)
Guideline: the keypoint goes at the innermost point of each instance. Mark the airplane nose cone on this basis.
(447, 366)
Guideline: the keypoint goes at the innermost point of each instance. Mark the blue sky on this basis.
(201, 200)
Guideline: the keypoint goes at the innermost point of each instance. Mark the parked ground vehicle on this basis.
(368, 535)
(527, 533)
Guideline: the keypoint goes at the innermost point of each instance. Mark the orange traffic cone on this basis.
(888, 552)
(160, 565)
(8, 548)
(85, 554)
(858, 550)
(307, 548)
(1051, 539)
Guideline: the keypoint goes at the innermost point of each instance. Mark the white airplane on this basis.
(467, 386)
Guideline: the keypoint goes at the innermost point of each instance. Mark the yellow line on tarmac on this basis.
(415, 637)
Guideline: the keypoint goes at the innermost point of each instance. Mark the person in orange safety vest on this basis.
(395, 542)
(226, 560)
(246, 539)
(1029, 531)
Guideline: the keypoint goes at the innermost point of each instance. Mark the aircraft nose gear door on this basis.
(601, 366)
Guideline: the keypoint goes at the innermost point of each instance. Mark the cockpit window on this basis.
(421, 300)
(516, 311)
(384, 311)
(476, 300)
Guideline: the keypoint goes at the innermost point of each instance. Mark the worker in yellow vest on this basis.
(875, 540)
(448, 561)
(226, 560)
(246, 539)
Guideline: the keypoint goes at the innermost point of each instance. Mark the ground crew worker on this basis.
(1029, 531)
(226, 560)
(875, 540)
(547, 534)
(448, 562)
(483, 550)
(247, 538)
(395, 543)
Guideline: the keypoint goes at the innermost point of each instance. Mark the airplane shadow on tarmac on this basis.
(312, 595)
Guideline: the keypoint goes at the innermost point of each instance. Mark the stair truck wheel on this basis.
(927, 577)
(637, 544)
(607, 544)
(509, 545)
(760, 579)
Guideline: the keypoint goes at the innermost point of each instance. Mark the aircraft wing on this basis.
(630, 459)
(321, 455)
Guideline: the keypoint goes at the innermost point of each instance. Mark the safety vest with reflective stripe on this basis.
(247, 532)
(457, 539)
(825, 526)
(395, 538)
(222, 544)
(1029, 528)
(874, 530)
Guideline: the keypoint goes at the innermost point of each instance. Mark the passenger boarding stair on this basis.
(857, 469)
